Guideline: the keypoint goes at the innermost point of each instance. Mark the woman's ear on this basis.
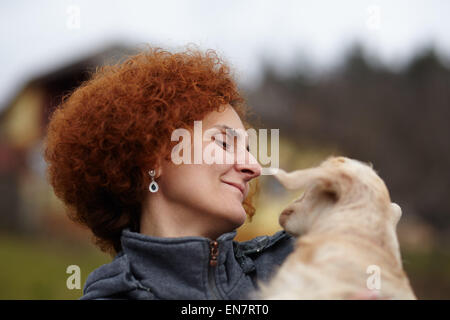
(158, 169)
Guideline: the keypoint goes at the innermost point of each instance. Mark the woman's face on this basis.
(211, 195)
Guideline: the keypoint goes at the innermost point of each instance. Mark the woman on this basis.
(170, 226)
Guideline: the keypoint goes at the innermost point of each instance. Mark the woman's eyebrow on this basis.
(227, 129)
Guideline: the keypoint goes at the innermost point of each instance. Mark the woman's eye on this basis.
(225, 145)
(222, 144)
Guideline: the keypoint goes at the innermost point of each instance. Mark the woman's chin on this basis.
(239, 217)
(235, 217)
(231, 210)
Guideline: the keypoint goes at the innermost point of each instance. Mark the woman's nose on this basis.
(251, 168)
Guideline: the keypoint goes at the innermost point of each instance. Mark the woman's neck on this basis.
(161, 218)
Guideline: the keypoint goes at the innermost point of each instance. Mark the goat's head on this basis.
(336, 181)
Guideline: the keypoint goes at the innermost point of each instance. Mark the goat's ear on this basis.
(396, 212)
(314, 178)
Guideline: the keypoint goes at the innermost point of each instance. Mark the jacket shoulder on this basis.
(264, 254)
(263, 243)
(113, 280)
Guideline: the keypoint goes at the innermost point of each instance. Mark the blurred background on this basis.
(364, 79)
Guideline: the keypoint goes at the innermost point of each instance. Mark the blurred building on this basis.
(27, 201)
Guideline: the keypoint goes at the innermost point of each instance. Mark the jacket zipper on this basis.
(213, 254)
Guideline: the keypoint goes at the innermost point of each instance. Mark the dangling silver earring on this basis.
(153, 187)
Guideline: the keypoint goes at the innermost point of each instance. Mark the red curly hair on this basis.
(104, 137)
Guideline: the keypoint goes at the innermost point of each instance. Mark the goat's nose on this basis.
(287, 212)
(284, 215)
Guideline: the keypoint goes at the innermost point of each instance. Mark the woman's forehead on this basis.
(227, 119)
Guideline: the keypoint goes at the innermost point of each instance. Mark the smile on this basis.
(235, 187)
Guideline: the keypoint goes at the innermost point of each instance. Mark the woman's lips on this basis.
(237, 186)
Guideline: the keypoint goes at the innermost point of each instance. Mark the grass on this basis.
(36, 268)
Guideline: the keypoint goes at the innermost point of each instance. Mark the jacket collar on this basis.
(169, 266)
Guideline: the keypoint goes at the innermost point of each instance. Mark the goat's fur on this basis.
(344, 222)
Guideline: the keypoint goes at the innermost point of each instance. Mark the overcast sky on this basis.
(40, 35)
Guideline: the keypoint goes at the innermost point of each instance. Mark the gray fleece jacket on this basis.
(188, 267)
